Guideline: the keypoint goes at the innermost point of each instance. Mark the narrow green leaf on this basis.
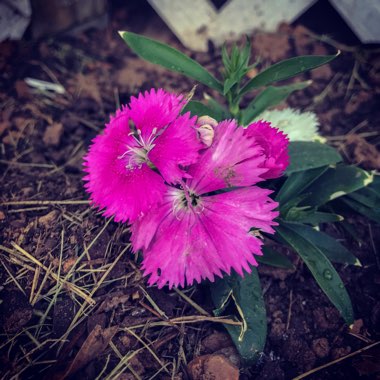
(269, 97)
(217, 108)
(286, 69)
(322, 270)
(375, 185)
(274, 258)
(331, 248)
(199, 109)
(296, 182)
(245, 54)
(306, 155)
(245, 292)
(230, 82)
(370, 213)
(336, 182)
(170, 58)
(316, 217)
(225, 58)
(367, 196)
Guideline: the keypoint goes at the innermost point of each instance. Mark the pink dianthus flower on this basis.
(146, 145)
(204, 227)
(275, 147)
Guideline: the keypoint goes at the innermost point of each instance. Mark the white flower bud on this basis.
(206, 134)
(207, 120)
(205, 129)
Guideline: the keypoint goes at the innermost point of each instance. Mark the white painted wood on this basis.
(188, 19)
(239, 17)
(14, 18)
(195, 22)
(363, 17)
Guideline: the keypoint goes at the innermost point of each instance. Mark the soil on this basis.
(50, 327)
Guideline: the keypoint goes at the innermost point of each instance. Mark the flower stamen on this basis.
(138, 155)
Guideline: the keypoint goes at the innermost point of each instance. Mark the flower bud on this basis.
(206, 134)
(205, 129)
(207, 120)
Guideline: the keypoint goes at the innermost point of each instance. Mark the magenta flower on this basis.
(204, 228)
(275, 147)
(143, 146)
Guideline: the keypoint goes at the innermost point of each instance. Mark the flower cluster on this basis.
(186, 186)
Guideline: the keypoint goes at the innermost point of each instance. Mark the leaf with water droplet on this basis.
(330, 247)
(321, 268)
(327, 274)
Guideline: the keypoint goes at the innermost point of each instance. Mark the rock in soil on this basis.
(321, 347)
(52, 135)
(209, 367)
(216, 341)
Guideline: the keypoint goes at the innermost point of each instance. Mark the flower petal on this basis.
(275, 147)
(233, 159)
(154, 109)
(177, 145)
(181, 246)
(122, 192)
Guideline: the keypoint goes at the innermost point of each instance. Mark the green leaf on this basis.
(286, 69)
(336, 182)
(225, 58)
(367, 196)
(331, 248)
(230, 82)
(217, 108)
(199, 109)
(370, 213)
(269, 97)
(245, 292)
(170, 58)
(322, 270)
(296, 182)
(316, 217)
(245, 54)
(306, 155)
(274, 258)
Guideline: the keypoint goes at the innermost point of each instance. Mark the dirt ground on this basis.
(73, 301)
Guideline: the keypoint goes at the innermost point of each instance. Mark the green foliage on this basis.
(321, 268)
(245, 296)
(199, 109)
(236, 65)
(170, 58)
(330, 247)
(274, 258)
(305, 155)
(365, 201)
(309, 215)
(296, 182)
(269, 97)
(336, 182)
(286, 69)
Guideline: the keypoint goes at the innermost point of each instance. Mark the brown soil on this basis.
(134, 330)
